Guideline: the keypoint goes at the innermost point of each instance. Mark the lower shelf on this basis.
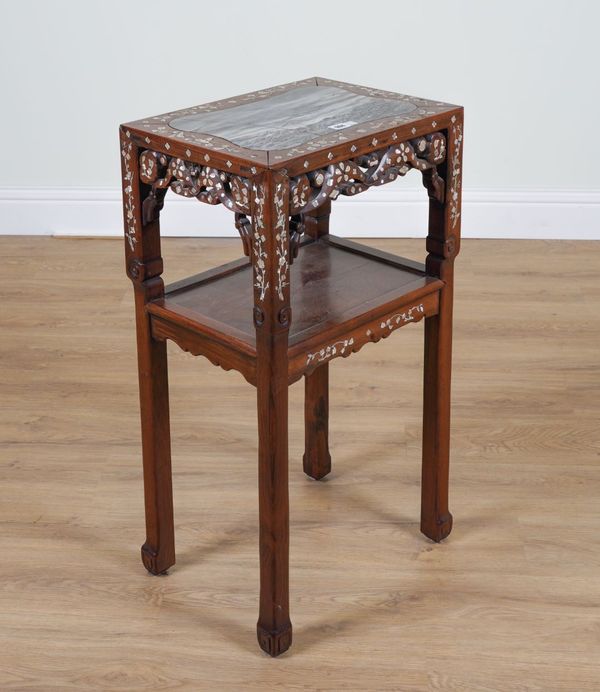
(342, 295)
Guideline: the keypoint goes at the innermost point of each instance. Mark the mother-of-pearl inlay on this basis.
(261, 282)
(411, 315)
(455, 184)
(330, 351)
(130, 220)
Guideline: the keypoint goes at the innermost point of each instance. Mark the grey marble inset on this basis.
(293, 117)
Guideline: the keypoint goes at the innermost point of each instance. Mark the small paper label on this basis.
(341, 126)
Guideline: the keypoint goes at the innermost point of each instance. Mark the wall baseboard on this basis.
(380, 213)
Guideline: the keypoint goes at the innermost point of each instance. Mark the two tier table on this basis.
(300, 297)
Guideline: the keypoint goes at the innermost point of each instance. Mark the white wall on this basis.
(526, 72)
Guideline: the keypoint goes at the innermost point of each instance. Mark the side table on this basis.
(300, 297)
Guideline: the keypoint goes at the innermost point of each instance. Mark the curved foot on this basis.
(316, 468)
(274, 642)
(155, 563)
(438, 531)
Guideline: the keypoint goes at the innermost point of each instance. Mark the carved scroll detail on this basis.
(310, 191)
(205, 183)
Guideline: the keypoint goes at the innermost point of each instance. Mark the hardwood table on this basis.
(300, 297)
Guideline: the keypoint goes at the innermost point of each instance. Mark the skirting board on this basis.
(378, 213)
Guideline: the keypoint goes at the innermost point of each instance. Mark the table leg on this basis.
(436, 520)
(144, 267)
(443, 243)
(317, 460)
(158, 552)
(274, 628)
(272, 317)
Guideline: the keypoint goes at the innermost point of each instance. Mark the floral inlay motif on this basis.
(411, 315)
(455, 182)
(261, 282)
(130, 222)
(281, 236)
(338, 348)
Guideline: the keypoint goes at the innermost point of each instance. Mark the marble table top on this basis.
(284, 124)
(291, 118)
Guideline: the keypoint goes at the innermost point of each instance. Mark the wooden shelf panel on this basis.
(331, 284)
(336, 287)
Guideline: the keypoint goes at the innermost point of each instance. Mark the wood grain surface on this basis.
(511, 601)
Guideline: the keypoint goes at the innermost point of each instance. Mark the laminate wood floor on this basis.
(511, 601)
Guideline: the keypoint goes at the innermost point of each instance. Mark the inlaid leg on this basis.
(317, 460)
(436, 520)
(144, 267)
(158, 552)
(272, 316)
(443, 243)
